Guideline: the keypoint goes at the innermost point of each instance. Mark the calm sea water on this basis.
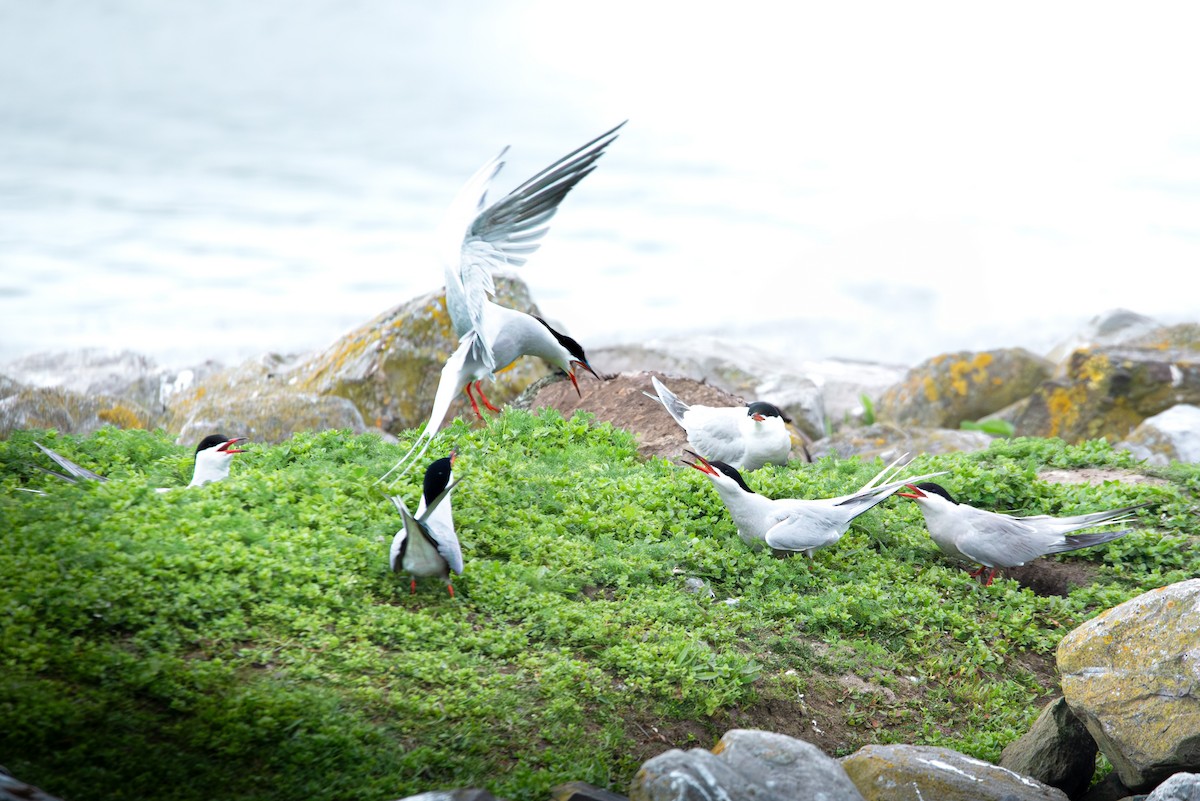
(221, 179)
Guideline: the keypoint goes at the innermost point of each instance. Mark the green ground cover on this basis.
(247, 639)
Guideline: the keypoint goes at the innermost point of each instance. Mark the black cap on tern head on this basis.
(733, 473)
(767, 410)
(572, 347)
(437, 477)
(934, 489)
(211, 441)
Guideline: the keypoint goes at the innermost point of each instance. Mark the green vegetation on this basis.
(247, 639)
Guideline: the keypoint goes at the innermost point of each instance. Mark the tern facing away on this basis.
(214, 454)
(994, 540)
(744, 437)
(795, 525)
(478, 239)
(427, 544)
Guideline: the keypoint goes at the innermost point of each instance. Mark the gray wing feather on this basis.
(75, 471)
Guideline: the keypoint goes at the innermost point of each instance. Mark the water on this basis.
(221, 179)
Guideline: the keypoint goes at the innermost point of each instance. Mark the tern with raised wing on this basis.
(427, 544)
(794, 524)
(994, 540)
(479, 239)
(214, 454)
(743, 437)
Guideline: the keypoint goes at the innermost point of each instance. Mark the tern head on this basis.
(718, 471)
(437, 477)
(922, 491)
(213, 456)
(761, 410)
(570, 357)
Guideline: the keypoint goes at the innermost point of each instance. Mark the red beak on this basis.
(228, 446)
(758, 418)
(701, 464)
(916, 494)
(585, 366)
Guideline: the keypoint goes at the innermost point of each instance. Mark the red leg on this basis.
(482, 397)
(977, 571)
(450, 589)
(412, 588)
(474, 405)
(990, 576)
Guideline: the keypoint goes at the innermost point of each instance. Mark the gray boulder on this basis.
(1171, 436)
(1131, 675)
(944, 391)
(910, 772)
(1112, 328)
(889, 441)
(744, 764)
(1057, 750)
(1180, 787)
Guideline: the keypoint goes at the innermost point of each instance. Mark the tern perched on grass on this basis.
(797, 525)
(744, 437)
(427, 544)
(478, 239)
(214, 454)
(994, 540)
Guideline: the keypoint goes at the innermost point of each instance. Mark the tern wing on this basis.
(807, 525)
(506, 233)
(74, 471)
(668, 399)
(999, 540)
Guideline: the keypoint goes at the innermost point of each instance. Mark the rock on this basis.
(582, 791)
(1113, 328)
(742, 371)
(1185, 337)
(1109, 788)
(1057, 750)
(1107, 393)
(948, 389)
(68, 412)
(895, 772)
(389, 368)
(888, 441)
(13, 789)
(1132, 675)
(256, 400)
(1180, 787)
(620, 400)
(744, 764)
(1173, 435)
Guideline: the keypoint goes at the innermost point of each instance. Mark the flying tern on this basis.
(793, 525)
(427, 544)
(214, 454)
(994, 540)
(744, 437)
(478, 239)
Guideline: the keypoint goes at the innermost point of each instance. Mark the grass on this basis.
(247, 639)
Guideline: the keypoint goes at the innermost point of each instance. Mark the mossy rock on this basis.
(948, 389)
(887, 442)
(69, 412)
(1106, 393)
(389, 368)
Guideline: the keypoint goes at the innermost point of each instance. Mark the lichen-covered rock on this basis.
(1057, 750)
(1185, 337)
(744, 764)
(948, 389)
(1113, 328)
(1132, 675)
(389, 368)
(887, 442)
(740, 370)
(1173, 435)
(1107, 393)
(68, 412)
(912, 773)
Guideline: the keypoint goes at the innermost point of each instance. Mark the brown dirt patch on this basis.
(1098, 475)
(1049, 577)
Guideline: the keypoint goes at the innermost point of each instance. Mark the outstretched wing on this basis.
(507, 232)
(75, 471)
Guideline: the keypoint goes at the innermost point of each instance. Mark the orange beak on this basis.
(916, 494)
(701, 464)
(228, 446)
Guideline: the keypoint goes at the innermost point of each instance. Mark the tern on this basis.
(793, 525)
(427, 544)
(744, 437)
(478, 239)
(213, 457)
(994, 540)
